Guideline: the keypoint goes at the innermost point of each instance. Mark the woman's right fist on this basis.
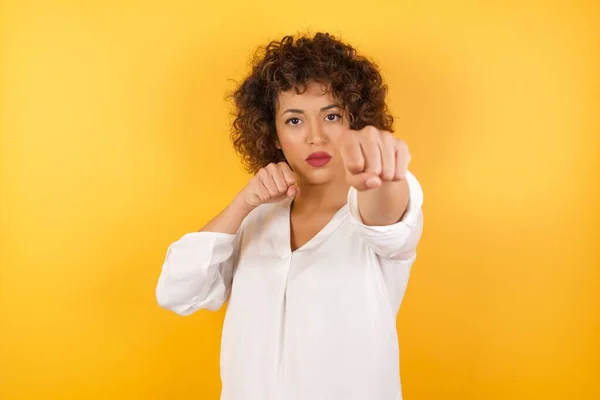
(271, 184)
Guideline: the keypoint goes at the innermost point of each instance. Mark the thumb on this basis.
(293, 191)
(364, 181)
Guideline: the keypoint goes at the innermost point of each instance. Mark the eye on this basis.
(333, 117)
(293, 121)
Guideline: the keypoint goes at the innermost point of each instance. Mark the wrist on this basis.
(239, 204)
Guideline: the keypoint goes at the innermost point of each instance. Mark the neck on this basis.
(327, 197)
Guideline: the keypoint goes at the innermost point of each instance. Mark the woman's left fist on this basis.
(371, 156)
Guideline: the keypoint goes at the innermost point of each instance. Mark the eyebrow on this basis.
(298, 111)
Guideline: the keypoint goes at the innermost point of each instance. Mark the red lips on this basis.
(318, 159)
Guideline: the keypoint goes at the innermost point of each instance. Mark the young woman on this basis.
(314, 254)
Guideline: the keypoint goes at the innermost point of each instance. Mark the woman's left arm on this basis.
(397, 239)
(376, 165)
(385, 199)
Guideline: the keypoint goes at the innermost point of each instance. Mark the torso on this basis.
(310, 320)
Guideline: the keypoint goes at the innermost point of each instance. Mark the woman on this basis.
(314, 254)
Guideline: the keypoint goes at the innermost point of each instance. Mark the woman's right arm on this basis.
(198, 268)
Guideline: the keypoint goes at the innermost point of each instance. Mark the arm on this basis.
(230, 219)
(197, 272)
(385, 199)
(384, 205)
(376, 165)
(198, 269)
(397, 240)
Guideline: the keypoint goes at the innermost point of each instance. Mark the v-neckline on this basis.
(313, 241)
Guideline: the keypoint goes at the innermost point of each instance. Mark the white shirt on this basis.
(318, 323)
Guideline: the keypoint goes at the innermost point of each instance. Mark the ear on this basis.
(277, 145)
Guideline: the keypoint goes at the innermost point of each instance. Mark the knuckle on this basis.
(371, 131)
(375, 168)
(355, 165)
(388, 175)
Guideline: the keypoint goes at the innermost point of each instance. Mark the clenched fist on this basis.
(271, 184)
(372, 156)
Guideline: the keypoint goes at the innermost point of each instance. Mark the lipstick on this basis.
(318, 159)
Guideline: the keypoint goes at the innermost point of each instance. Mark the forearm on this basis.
(384, 205)
(230, 219)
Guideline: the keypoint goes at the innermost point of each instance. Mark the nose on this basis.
(315, 134)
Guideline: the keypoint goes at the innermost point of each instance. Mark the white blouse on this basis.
(318, 323)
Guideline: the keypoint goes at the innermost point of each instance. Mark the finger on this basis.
(403, 158)
(352, 155)
(266, 179)
(387, 147)
(279, 179)
(370, 147)
(364, 181)
(261, 192)
(288, 174)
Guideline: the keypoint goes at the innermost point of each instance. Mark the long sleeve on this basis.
(397, 241)
(197, 272)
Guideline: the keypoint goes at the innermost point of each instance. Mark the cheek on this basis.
(289, 142)
(289, 139)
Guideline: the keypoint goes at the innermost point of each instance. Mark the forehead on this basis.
(316, 96)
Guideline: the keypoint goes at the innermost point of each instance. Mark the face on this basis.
(309, 126)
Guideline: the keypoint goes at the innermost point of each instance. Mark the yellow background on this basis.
(114, 142)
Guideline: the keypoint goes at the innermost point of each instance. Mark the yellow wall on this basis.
(115, 142)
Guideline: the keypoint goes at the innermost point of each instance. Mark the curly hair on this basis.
(354, 81)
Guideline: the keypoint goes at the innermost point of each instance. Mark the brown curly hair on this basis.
(293, 63)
